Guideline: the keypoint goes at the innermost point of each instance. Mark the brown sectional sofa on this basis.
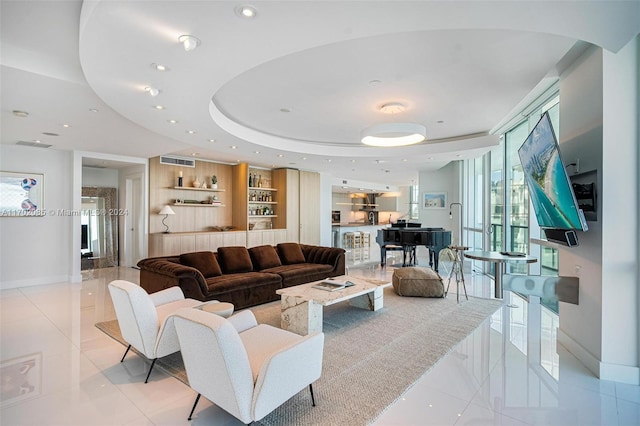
(244, 277)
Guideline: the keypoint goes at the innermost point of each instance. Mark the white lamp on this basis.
(166, 211)
(189, 42)
(393, 134)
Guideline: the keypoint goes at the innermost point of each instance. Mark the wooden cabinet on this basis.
(185, 242)
(387, 204)
(299, 204)
(254, 207)
(266, 237)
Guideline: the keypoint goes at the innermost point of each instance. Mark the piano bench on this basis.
(418, 282)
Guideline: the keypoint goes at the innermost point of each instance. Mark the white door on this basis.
(134, 220)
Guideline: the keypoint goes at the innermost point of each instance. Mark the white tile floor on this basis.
(509, 371)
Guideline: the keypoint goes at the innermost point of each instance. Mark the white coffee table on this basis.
(301, 306)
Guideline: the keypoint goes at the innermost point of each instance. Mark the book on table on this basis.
(332, 284)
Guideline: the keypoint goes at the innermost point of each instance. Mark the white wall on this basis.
(581, 137)
(446, 179)
(103, 178)
(599, 115)
(37, 250)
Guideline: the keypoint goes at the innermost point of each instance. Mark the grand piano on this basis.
(408, 238)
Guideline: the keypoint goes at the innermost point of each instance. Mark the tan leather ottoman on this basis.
(418, 282)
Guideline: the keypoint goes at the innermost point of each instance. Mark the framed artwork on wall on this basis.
(21, 194)
(434, 200)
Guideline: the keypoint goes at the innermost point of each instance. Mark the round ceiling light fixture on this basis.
(189, 42)
(393, 134)
(152, 91)
(392, 108)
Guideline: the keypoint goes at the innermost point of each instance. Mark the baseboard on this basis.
(7, 285)
(602, 370)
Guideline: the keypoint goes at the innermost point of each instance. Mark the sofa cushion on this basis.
(203, 261)
(235, 259)
(301, 273)
(290, 253)
(264, 257)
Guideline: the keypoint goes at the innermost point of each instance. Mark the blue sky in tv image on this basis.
(551, 193)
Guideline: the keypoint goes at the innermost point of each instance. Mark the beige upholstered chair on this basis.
(144, 319)
(244, 368)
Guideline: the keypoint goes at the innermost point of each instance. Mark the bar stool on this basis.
(457, 269)
(347, 240)
(365, 239)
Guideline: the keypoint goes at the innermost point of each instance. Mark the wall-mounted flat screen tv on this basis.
(551, 193)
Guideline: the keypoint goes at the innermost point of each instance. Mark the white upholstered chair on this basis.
(145, 320)
(244, 368)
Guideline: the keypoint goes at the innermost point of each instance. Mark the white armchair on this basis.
(246, 369)
(145, 319)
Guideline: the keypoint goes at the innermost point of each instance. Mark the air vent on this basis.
(173, 161)
(35, 144)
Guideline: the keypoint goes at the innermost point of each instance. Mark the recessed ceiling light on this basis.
(429, 158)
(37, 141)
(66, 125)
(404, 160)
(152, 91)
(191, 132)
(172, 121)
(280, 155)
(256, 152)
(304, 158)
(246, 11)
(189, 42)
(159, 107)
(439, 121)
(353, 161)
(193, 154)
(93, 110)
(212, 140)
(392, 108)
(22, 114)
(285, 109)
(375, 82)
(233, 147)
(160, 67)
(328, 160)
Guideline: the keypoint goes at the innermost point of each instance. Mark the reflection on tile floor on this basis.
(508, 371)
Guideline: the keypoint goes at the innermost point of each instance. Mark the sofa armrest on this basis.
(287, 371)
(333, 256)
(167, 295)
(189, 279)
(243, 320)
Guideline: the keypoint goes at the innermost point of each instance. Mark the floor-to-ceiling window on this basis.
(510, 224)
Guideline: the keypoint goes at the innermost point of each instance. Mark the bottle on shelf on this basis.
(259, 181)
(250, 180)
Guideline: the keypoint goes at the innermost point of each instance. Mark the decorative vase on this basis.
(196, 183)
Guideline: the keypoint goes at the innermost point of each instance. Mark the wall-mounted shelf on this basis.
(255, 188)
(191, 188)
(258, 216)
(198, 205)
(262, 202)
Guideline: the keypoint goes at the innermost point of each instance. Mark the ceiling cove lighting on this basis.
(189, 42)
(393, 134)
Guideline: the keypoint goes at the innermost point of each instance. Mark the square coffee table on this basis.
(301, 305)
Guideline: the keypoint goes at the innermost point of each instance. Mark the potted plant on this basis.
(214, 182)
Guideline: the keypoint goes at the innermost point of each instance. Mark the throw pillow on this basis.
(264, 257)
(235, 259)
(291, 253)
(203, 261)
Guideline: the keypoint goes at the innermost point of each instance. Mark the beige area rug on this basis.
(370, 358)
